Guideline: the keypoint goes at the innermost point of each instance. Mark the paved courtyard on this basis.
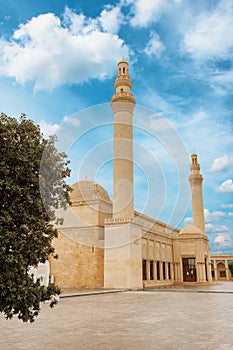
(178, 318)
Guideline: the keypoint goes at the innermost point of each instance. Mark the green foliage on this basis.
(31, 169)
(230, 265)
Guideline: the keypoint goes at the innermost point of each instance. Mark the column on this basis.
(215, 270)
(147, 270)
(199, 272)
(172, 272)
(166, 271)
(179, 272)
(161, 270)
(227, 270)
(155, 271)
(203, 272)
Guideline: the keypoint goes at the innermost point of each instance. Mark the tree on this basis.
(230, 265)
(32, 186)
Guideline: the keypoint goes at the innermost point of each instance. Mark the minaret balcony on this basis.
(195, 179)
(123, 97)
(122, 80)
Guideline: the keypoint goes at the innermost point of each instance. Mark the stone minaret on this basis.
(123, 103)
(197, 200)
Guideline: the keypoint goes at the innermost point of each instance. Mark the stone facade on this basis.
(108, 244)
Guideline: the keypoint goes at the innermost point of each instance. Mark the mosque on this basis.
(107, 244)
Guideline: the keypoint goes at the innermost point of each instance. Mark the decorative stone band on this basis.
(152, 227)
(112, 221)
(123, 96)
(195, 179)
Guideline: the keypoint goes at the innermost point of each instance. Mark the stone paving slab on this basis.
(134, 320)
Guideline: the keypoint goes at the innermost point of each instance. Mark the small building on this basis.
(219, 267)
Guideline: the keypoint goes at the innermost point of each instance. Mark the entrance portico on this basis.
(191, 256)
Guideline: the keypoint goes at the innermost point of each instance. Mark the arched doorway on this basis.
(221, 268)
(189, 270)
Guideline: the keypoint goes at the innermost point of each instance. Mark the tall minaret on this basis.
(123, 103)
(197, 200)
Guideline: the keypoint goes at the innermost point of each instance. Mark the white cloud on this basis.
(48, 129)
(71, 120)
(188, 221)
(157, 123)
(222, 163)
(78, 24)
(209, 227)
(222, 82)
(154, 46)
(211, 35)
(51, 53)
(227, 206)
(230, 214)
(209, 216)
(215, 215)
(226, 187)
(216, 228)
(195, 118)
(111, 19)
(223, 240)
(223, 77)
(147, 11)
(219, 239)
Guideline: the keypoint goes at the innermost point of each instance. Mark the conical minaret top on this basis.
(123, 84)
(197, 199)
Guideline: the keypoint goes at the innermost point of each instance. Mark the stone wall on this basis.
(78, 265)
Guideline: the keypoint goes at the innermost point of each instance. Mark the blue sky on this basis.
(58, 62)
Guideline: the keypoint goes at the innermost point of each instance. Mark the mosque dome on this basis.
(190, 229)
(86, 190)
